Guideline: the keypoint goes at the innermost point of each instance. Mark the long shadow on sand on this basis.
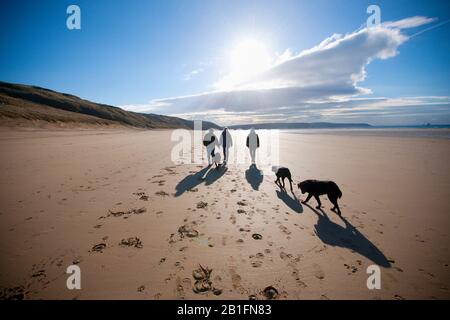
(207, 175)
(291, 202)
(254, 176)
(215, 174)
(190, 181)
(347, 237)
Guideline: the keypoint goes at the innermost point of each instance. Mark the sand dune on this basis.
(141, 227)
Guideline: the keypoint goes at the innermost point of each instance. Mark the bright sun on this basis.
(248, 59)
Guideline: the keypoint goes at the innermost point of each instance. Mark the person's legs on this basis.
(209, 158)
(209, 154)
(252, 155)
(225, 154)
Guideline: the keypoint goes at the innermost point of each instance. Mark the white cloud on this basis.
(193, 74)
(154, 105)
(411, 22)
(290, 89)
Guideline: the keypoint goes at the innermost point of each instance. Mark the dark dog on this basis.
(282, 173)
(317, 188)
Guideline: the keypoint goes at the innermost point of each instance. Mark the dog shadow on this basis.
(291, 202)
(191, 181)
(347, 237)
(254, 176)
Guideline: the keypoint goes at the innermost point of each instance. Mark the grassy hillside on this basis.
(23, 103)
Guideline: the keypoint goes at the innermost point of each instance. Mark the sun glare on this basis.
(246, 60)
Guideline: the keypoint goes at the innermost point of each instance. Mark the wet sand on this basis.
(141, 227)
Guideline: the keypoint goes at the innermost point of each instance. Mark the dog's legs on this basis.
(319, 204)
(307, 198)
(334, 201)
(336, 205)
(276, 181)
(338, 209)
(290, 181)
(283, 184)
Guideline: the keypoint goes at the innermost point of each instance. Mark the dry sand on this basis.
(63, 192)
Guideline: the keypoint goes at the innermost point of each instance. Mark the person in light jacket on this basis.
(210, 142)
(252, 144)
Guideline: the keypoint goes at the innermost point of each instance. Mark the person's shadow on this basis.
(254, 176)
(191, 181)
(291, 202)
(215, 174)
(347, 237)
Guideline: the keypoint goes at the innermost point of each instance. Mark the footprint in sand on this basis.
(296, 275)
(180, 287)
(256, 260)
(39, 274)
(284, 229)
(170, 170)
(351, 269)
(125, 213)
(131, 242)
(186, 230)
(256, 236)
(159, 182)
(285, 256)
(98, 247)
(141, 288)
(318, 272)
(236, 281)
(15, 293)
(141, 195)
(202, 205)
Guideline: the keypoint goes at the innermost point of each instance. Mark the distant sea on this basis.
(435, 132)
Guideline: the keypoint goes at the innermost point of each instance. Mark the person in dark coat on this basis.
(226, 142)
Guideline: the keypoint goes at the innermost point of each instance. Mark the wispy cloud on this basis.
(320, 83)
(407, 23)
(193, 74)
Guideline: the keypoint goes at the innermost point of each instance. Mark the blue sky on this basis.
(173, 57)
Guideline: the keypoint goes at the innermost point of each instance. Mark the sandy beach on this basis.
(78, 196)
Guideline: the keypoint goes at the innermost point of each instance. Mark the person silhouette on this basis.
(210, 142)
(226, 142)
(252, 144)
